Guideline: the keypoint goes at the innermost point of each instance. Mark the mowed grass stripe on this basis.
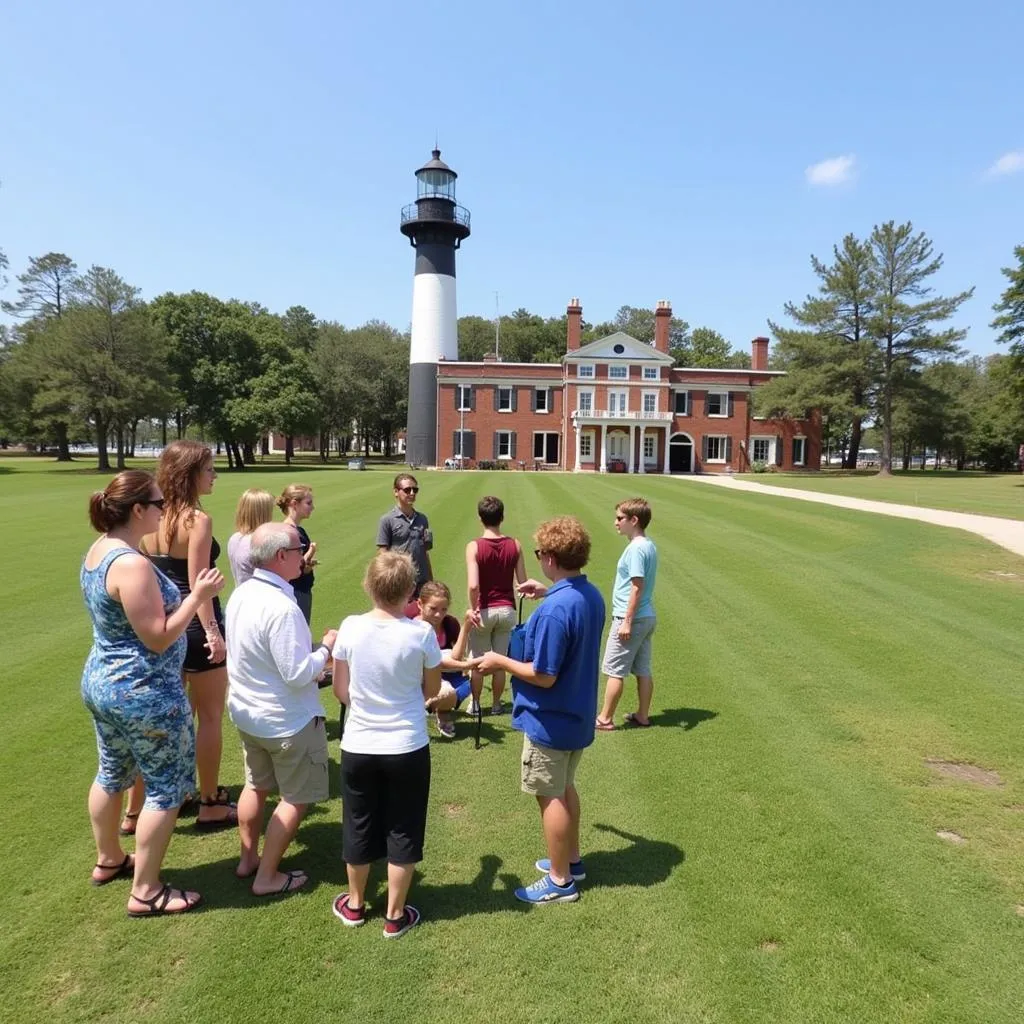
(776, 861)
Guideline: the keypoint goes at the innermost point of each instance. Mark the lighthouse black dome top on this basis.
(435, 216)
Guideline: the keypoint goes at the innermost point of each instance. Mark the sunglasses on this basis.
(159, 502)
(537, 552)
(299, 548)
(409, 490)
(618, 518)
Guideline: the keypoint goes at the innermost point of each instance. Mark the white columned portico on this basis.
(579, 431)
(632, 446)
(668, 434)
(643, 468)
(604, 447)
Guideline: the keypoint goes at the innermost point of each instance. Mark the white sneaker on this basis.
(474, 708)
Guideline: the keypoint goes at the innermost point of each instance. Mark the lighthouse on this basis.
(435, 226)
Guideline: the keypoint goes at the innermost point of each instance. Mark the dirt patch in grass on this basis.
(964, 772)
(769, 946)
(454, 810)
(1020, 909)
(951, 837)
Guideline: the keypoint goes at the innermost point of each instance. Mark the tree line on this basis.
(89, 358)
(874, 346)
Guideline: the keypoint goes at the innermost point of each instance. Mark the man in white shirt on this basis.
(273, 701)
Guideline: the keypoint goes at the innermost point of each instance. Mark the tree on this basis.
(1010, 307)
(706, 347)
(299, 328)
(638, 323)
(903, 331)
(476, 338)
(828, 357)
(45, 287)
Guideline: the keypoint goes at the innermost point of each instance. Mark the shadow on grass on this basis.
(645, 862)
(465, 730)
(688, 718)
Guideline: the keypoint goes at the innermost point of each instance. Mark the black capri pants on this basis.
(384, 806)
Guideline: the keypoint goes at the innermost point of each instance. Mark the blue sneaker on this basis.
(576, 868)
(544, 890)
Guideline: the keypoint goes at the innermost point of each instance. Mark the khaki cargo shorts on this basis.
(546, 771)
(295, 766)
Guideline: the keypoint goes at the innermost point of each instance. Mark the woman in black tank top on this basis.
(182, 546)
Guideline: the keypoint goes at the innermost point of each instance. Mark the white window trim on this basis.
(681, 391)
(643, 401)
(580, 367)
(545, 433)
(718, 415)
(770, 438)
(803, 461)
(650, 373)
(585, 391)
(620, 409)
(465, 394)
(652, 440)
(508, 433)
(547, 394)
(618, 367)
(508, 388)
(588, 437)
(724, 439)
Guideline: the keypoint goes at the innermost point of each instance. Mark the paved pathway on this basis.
(1007, 533)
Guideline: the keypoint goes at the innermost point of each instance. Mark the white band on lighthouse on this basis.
(434, 328)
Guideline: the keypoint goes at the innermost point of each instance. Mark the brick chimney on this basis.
(759, 354)
(574, 311)
(662, 319)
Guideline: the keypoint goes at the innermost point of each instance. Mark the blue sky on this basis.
(623, 153)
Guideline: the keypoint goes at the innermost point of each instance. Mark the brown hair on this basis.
(255, 507)
(433, 589)
(178, 477)
(636, 507)
(491, 511)
(113, 505)
(293, 492)
(390, 578)
(566, 539)
(405, 476)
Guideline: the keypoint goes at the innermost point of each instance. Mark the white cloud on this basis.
(837, 170)
(1008, 163)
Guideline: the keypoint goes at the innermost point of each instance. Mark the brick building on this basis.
(617, 405)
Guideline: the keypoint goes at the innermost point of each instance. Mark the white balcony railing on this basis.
(628, 417)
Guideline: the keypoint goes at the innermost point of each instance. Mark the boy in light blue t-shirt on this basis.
(628, 649)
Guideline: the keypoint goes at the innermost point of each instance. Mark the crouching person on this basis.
(273, 702)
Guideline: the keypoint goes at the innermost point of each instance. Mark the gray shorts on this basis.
(632, 657)
(493, 635)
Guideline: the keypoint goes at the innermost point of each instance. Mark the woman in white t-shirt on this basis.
(385, 666)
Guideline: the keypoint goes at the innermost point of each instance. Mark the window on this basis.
(464, 444)
(650, 447)
(799, 451)
(585, 402)
(761, 449)
(587, 445)
(618, 372)
(585, 370)
(650, 401)
(617, 403)
(464, 398)
(505, 403)
(716, 448)
(650, 373)
(504, 444)
(540, 400)
(718, 403)
(682, 406)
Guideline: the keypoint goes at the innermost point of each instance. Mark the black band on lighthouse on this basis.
(435, 258)
(421, 430)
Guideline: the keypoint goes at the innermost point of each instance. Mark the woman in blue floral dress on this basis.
(132, 685)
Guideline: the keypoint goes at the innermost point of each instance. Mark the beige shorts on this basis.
(295, 766)
(546, 771)
(494, 633)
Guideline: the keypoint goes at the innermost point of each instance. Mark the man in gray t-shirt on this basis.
(405, 529)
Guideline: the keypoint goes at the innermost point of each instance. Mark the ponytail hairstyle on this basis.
(178, 477)
(293, 492)
(113, 505)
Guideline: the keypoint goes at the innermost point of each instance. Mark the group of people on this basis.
(163, 651)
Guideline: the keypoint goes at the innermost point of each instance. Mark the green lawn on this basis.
(989, 494)
(767, 853)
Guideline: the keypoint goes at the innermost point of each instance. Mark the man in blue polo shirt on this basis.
(555, 699)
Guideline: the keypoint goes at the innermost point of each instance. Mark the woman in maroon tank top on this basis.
(494, 563)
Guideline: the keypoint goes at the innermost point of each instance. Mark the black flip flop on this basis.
(290, 877)
(126, 869)
(122, 831)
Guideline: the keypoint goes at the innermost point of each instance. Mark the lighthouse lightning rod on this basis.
(497, 326)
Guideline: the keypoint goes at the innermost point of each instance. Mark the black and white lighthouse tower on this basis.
(435, 226)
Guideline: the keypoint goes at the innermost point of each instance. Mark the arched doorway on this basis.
(680, 454)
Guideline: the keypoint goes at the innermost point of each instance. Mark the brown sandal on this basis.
(126, 869)
(158, 904)
(128, 830)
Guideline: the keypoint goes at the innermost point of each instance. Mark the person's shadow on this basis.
(688, 718)
(645, 862)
